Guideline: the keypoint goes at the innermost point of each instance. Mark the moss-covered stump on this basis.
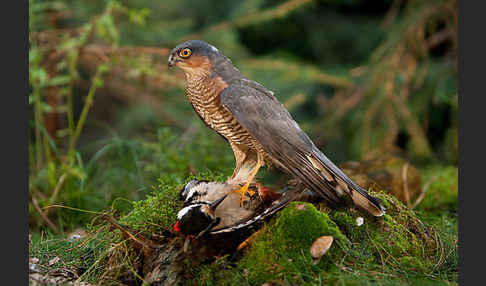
(376, 251)
(281, 248)
(397, 248)
(398, 239)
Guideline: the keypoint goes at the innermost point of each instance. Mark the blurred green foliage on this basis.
(112, 131)
(109, 119)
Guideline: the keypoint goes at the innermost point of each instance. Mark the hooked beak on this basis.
(172, 60)
(215, 204)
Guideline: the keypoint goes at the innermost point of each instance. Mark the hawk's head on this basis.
(193, 55)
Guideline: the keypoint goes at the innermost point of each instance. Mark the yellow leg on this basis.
(244, 190)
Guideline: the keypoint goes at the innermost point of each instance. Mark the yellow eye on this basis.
(185, 53)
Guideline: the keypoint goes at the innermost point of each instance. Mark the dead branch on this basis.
(424, 190)
(44, 216)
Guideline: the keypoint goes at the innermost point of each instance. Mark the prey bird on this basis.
(258, 127)
(214, 207)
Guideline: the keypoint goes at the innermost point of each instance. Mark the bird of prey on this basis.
(258, 127)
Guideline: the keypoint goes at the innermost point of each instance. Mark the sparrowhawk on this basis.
(258, 127)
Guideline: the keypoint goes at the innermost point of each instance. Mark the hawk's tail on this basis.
(331, 177)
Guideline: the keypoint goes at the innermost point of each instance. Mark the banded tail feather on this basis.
(341, 183)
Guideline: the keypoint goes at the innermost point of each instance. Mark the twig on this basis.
(417, 134)
(38, 122)
(253, 18)
(392, 13)
(423, 191)
(145, 244)
(44, 216)
(439, 38)
(405, 184)
(248, 241)
(346, 104)
(58, 187)
(84, 113)
(312, 72)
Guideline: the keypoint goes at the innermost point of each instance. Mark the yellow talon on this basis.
(244, 192)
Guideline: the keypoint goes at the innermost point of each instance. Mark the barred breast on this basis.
(204, 97)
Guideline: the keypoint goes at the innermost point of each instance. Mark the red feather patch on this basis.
(176, 227)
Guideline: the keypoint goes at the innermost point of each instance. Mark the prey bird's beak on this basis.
(215, 204)
(172, 61)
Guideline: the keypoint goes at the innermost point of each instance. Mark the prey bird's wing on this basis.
(254, 221)
(268, 121)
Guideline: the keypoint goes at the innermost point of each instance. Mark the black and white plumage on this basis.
(199, 217)
(228, 216)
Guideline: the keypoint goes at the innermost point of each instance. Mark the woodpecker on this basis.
(214, 207)
(198, 217)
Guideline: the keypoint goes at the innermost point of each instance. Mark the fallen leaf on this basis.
(33, 260)
(320, 247)
(53, 261)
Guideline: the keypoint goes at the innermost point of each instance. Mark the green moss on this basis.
(394, 249)
(399, 239)
(442, 192)
(281, 249)
(379, 251)
(403, 234)
(83, 256)
(159, 210)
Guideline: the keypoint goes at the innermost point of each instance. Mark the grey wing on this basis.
(269, 122)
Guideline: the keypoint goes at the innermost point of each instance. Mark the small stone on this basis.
(33, 263)
(320, 247)
(74, 237)
(32, 266)
(76, 234)
(359, 221)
